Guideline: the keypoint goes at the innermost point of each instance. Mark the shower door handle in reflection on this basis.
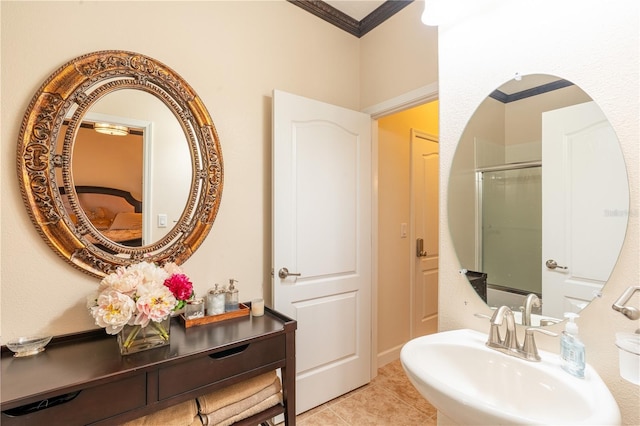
(552, 264)
(420, 248)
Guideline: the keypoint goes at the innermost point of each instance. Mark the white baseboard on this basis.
(389, 355)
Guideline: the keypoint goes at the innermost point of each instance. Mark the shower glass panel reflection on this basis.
(511, 240)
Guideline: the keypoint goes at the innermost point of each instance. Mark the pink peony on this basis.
(180, 286)
(154, 306)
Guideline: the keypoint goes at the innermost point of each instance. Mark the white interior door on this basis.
(425, 201)
(322, 231)
(585, 200)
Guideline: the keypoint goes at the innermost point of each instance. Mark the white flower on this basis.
(123, 280)
(150, 273)
(113, 311)
(172, 269)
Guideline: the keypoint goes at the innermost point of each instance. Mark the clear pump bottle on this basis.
(231, 297)
(572, 352)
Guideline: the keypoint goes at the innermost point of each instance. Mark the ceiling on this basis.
(357, 17)
(356, 9)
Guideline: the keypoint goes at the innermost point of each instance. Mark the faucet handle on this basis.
(494, 333)
(529, 346)
(479, 315)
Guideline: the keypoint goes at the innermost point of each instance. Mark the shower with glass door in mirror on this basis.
(510, 231)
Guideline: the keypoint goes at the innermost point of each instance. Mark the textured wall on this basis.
(476, 55)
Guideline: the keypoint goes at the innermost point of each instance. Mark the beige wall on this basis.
(478, 54)
(394, 253)
(398, 57)
(233, 54)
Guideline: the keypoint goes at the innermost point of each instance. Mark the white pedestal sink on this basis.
(472, 384)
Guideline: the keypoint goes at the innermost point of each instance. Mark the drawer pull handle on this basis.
(42, 405)
(229, 352)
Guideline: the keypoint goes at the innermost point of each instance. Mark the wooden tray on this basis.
(243, 311)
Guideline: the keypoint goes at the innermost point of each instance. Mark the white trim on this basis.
(374, 248)
(407, 100)
(389, 355)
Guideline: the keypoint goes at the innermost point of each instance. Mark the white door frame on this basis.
(411, 99)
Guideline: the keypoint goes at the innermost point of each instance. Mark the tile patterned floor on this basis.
(389, 400)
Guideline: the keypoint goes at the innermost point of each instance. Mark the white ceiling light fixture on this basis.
(111, 129)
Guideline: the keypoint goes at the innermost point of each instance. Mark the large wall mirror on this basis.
(538, 197)
(119, 161)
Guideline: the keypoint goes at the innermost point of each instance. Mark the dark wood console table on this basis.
(82, 378)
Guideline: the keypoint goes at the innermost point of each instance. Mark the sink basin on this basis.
(473, 384)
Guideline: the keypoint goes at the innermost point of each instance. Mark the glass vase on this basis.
(135, 338)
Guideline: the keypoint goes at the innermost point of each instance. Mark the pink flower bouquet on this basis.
(138, 295)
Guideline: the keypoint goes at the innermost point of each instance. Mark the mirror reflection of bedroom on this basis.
(151, 161)
(107, 171)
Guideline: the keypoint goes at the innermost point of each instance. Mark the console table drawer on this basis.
(86, 406)
(217, 366)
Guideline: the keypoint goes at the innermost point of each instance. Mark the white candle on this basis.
(257, 307)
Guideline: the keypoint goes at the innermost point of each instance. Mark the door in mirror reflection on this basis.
(584, 186)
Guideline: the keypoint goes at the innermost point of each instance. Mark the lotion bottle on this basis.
(572, 352)
(231, 297)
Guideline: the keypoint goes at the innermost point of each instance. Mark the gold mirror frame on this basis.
(68, 94)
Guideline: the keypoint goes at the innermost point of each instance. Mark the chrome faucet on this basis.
(530, 302)
(509, 344)
(510, 340)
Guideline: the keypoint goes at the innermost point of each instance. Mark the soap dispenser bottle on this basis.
(231, 297)
(572, 353)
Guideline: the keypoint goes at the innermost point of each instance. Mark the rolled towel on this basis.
(234, 393)
(183, 414)
(267, 403)
(238, 407)
(197, 421)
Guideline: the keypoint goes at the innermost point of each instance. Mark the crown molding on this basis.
(345, 22)
(534, 91)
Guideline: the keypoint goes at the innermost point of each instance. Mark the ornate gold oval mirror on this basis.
(101, 220)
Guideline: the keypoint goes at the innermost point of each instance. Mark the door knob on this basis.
(552, 264)
(284, 273)
(420, 248)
